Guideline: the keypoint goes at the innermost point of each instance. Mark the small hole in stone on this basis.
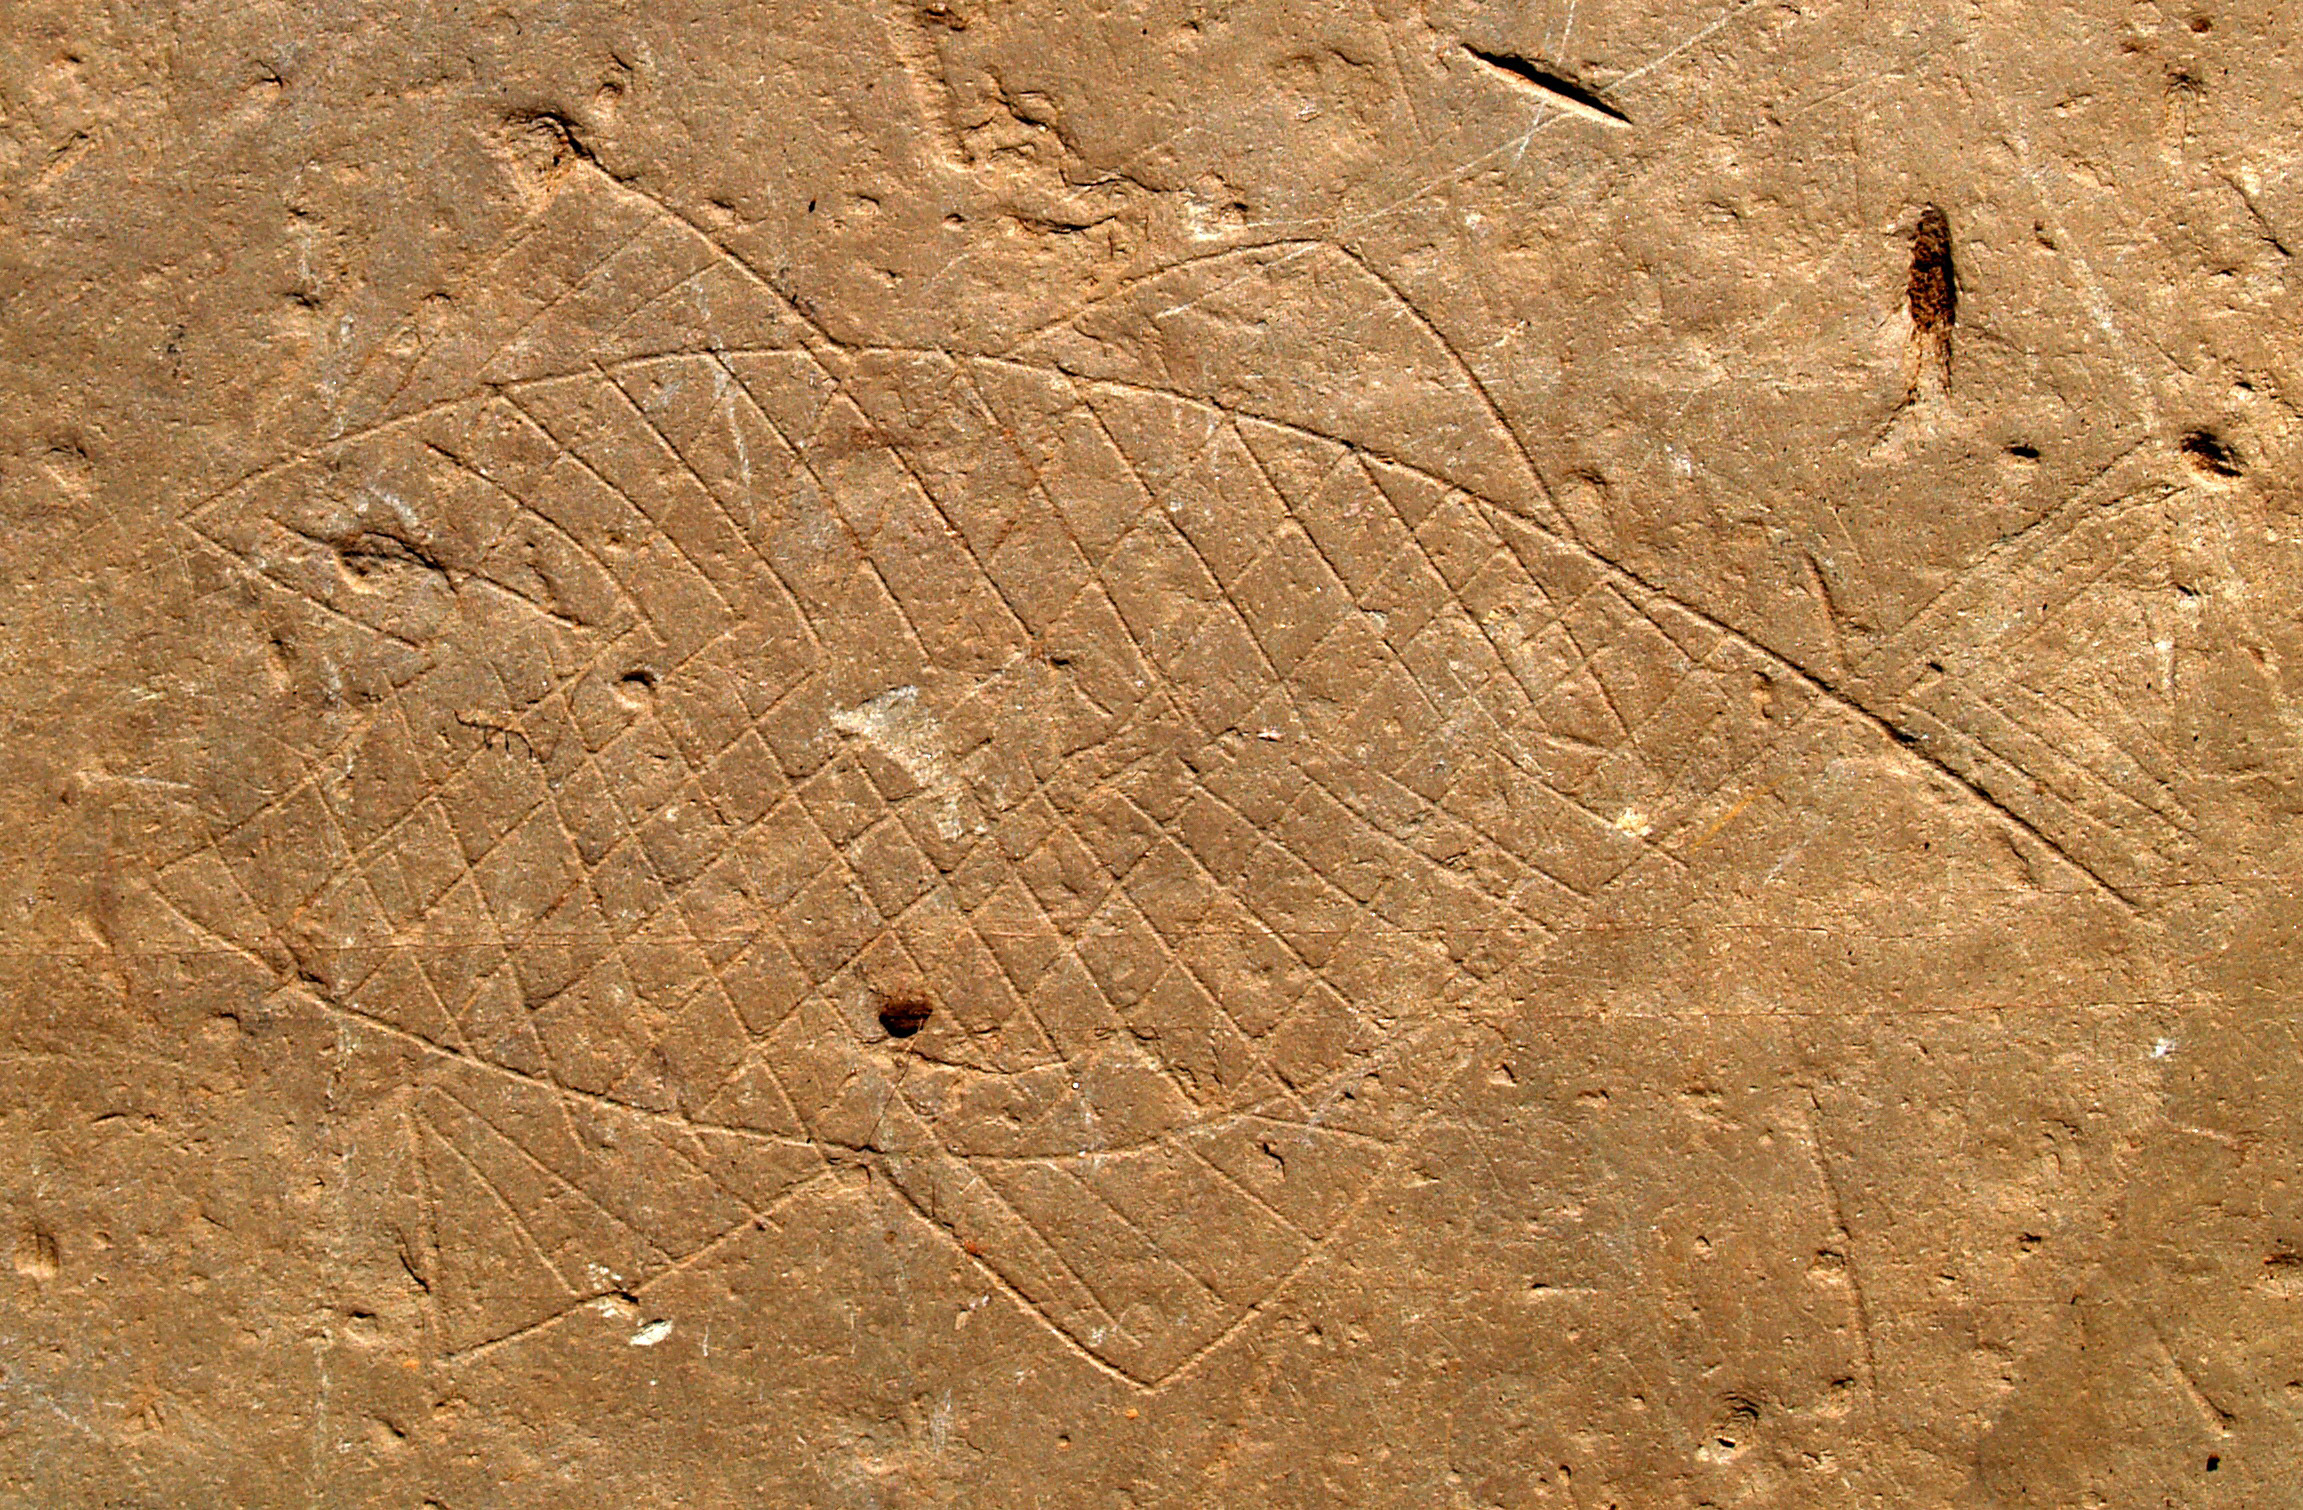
(2209, 454)
(638, 679)
(2024, 453)
(902, 1016)
(2213, 1462)
(2202, 23)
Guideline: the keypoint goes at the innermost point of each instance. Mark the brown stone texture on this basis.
(1154, 753)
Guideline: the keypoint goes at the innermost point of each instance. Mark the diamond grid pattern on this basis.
(1190, 760)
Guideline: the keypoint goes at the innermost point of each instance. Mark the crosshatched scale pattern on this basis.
(1195, 732)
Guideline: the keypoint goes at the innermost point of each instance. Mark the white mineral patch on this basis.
(897, 724)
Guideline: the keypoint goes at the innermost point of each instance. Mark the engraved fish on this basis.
(1185, 716)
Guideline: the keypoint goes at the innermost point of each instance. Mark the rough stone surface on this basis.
(1171, 753)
